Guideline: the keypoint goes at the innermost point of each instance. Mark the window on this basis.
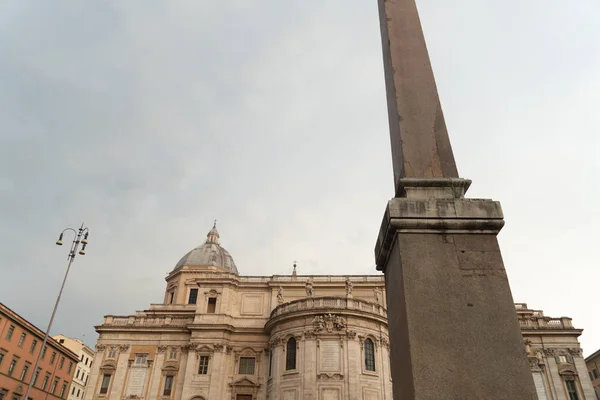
(3, 393)
(193, 296)
(73, 390)
(10, 332)
(45, 381)
(141, 359)
(70, 367)
(112, 353)
(22, 339)
(572, 390)
(247, 366)
(203, 365)
(105, 384)
(35, 376)
(54, 385)
(563, 359)
(61, 341)
(11, 367)
(33, 346)
(173, 353)
(78, 392)
(52, 358)
(212, 305)
(44, 352)
(63, 389)
(369, 355)
(82, 375)
(595, 372)
(24, 372)
(168, 385)
(1, 358)
(171, 296)
(77, 374)
(62, 363)
(270, 362)
(290, 354)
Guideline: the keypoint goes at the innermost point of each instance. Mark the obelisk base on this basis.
(455, 333)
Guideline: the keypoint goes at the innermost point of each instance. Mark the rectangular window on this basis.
(73, 390)
(35, 376)
(572, 390)
(12, 366)
(193, 296)
(112, 353)
(3, 393)
(168, 385)
(270, 362)
(105, 384)
(24, 372)
(54, 385)
(52, 358)
(203, 365)
(141, 359)
(10, 332)
(33, 346)
(44, 352)
(1, 358)
(61, 363)
(595, 372)
(171, 296)
(82, 375)
(70, 367)
(212, 305)
(247, 365)
(22, 339)
(78, 392)
(45, 381)
(63, 389)
(77, 374)
(173, 353)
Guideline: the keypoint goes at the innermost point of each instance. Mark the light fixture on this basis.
(82, 251)
(84, 240)
(59, 241)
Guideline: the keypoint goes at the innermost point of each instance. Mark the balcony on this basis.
(318, 304)
(145, 321)
(546, 323)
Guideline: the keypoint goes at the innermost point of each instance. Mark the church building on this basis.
(219, 335)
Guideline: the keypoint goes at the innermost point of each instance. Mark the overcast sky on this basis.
(149, 119)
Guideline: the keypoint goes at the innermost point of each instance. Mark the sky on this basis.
(148, 119)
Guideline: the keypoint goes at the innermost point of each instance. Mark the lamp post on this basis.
(82, 231)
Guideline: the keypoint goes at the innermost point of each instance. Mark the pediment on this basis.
(245, 382)
(108, 365)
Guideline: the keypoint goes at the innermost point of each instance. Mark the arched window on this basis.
(290, 354)
(369, 355)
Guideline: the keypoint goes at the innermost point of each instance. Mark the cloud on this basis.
(148, 120)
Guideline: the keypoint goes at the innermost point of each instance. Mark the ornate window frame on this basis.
(206, 352)
(298, 360)
(363, 358)
(247, 352)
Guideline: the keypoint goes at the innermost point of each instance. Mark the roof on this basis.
(208, 254)
(37, 331)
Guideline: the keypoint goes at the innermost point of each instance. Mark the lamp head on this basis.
(59, 241)
(84, 240)
(82, 251)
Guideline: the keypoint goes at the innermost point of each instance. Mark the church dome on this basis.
(209, 254)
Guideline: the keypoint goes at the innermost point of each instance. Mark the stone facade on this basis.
(593, 366)
(83, 367)
(222, 336)
(555, 356)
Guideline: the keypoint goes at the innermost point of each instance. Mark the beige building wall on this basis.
(222, 336)
(83, 367)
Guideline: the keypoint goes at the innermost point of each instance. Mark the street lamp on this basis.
(82, 231)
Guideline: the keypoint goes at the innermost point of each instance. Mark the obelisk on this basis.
(453, 327)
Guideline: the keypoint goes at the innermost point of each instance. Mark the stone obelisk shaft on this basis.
(453, 327)
(420, 144)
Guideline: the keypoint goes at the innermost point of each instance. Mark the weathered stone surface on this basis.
(420, 144)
